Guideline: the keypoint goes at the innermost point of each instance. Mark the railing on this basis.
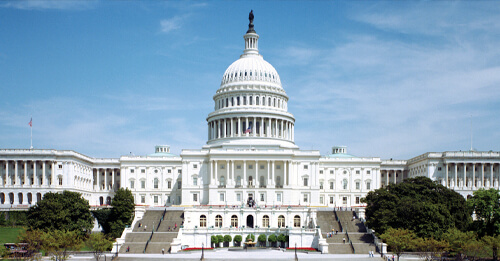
(251, 186)
(262, 186)
(222, 186)
(238, 186)
(161, 219)
(149, 240)
(279, 186)
(350, 242)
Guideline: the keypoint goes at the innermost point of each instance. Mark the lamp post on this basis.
(202, 251)
(116, 248)
(296, 258)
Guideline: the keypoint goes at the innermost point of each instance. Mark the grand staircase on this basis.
(154, 232)
(352, 230)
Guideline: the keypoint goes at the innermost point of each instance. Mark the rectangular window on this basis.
(320, 172)
(155, 199)
(261, 196)
(331, 185)
(169, 184)
(132, 171)
(261, 166)
(250, 166)
(331, 200)
(238, 197)
(439, 169)
(143, 184)
(143, 171)
(321, 200)
(368, 185)
(131, 184)
(357, 184)
(60, 166)
(179, 185)
(221, 197)
(331, 171)
(179, 171)
(169, 171)
(305, 198)
(321, 185)
(368, 172)
(195, 197)
(305, 181)
(357, 172)
(195, 166)
(238, 166)
(306, 166)
(278, 166)
(357, 200)
(143, 199)
(221, 166)
(195, 181)
(278, 197)
(344, 200)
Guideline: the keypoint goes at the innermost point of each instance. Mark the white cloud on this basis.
(49, 4)
(174, 23)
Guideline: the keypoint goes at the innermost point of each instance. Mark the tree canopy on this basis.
(66, 211)
(114, 220)
(417, 204)
(399, 240)
(485, 204)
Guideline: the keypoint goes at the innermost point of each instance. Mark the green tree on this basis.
(282, 239)
(98, 244)
(460, 242)
(262, 239)
(416, 204)
(272, 239)
(3, 221)
(430, 248)
(250, 236)
(102, 216)
(122, 212)
(399, 240)
(485, 204)
(227, 239)
(58, 243)
(34, 239)
(238, 239)
(214, 240)
(220, 239)
(494, 244)
(66, 211)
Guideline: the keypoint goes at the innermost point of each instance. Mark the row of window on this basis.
(244, 100)
(169, 171)
(155, 184)
(345, 185)
(344, 200)
(344, 172)
(234, 221)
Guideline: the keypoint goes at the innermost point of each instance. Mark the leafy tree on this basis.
(102, 216)
(98, 244)
(66, 211)
(251, 236)
(227, 239)
(220, 239)
(114, 220)
(214, 240)
(485, 204)
(430, 248)
(34, 239)
(416, 204)
(399, 240)
(281, 238)
(273, 239)
(58, 243)
(494, 244)
(3, 221)
(460, 242)
(262, 239)
(238, 239)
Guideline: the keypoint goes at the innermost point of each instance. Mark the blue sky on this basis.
(387, 79)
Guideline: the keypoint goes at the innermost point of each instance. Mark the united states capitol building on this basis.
(250, 156)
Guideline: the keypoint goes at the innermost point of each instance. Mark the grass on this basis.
(10, 234)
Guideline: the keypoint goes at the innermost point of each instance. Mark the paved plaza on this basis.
(224, 254)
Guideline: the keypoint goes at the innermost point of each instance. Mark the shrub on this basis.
(227, 239)
(251, 236)
(262, 239)
(281, 238)
(237, 239)
(272, 238)
(214, 240)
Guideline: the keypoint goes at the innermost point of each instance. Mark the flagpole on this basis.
(31, 130)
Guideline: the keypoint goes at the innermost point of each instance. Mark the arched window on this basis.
(250, 100)
(344, 184)
(238, 181)
(234, 221)
(281, 221)
(296, 221)
(257, 101)
(269, 101)
(155, 183)
(218, 221)
(203, 221)
(265, 221)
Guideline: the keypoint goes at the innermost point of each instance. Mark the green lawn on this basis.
(10, 234)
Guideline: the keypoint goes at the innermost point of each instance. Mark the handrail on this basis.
(352, 247)
(149, 240)
(161, 219)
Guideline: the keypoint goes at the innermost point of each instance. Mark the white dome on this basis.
(251, 68)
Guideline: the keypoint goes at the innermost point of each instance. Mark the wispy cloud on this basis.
(171, 24)
(50, 4)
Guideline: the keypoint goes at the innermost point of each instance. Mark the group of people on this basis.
(330, 234)
(370, 253)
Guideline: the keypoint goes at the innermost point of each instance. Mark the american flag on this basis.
(249, 130)
(31, 122)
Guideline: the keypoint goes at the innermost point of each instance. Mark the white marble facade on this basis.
(250, 153)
